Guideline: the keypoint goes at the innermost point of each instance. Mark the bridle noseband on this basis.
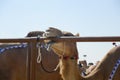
(68, 57)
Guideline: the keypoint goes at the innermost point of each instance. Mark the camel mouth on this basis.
(48, 45)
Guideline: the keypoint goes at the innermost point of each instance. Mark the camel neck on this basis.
(69, 69)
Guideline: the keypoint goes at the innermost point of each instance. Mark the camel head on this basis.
(64, 49)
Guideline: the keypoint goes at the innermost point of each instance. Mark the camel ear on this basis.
(77, 34)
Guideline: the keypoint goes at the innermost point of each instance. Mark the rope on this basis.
(39, 53)
(114, 70)
(39, 57)
(22, 45)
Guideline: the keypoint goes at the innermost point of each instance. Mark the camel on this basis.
(13, 61)
(86, 68)
(107, 69)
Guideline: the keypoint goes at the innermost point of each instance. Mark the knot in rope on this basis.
(39, 52)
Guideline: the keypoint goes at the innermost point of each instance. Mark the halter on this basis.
(68, 57)
(114, 69)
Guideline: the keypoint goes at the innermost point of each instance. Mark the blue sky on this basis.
(87, 17)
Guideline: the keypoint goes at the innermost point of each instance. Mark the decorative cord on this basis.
(22, 45)
(114, 69)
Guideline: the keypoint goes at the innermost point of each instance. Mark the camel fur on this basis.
(68, 67)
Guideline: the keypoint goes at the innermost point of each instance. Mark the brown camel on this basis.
(13, 62)
(107, 69)
(87, 68)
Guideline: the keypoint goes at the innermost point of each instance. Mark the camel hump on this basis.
(35, 33)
